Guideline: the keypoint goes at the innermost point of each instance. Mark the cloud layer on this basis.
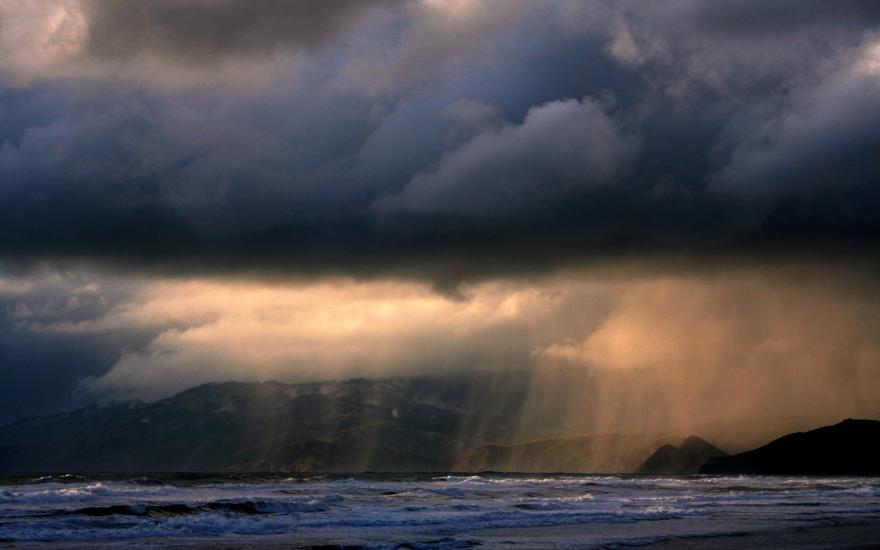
(429, 139)
(561, 150)
(166, 40)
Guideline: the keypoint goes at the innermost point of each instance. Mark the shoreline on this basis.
(863, 533)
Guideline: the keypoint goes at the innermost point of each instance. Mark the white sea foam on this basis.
(55, 493)
(326, 507)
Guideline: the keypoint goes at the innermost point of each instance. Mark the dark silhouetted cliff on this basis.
(851, 447)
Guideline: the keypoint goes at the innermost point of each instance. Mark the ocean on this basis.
(433, 511)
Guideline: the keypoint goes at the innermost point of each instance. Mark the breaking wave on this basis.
(399, 507)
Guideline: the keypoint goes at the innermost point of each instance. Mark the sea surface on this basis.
(422, 511)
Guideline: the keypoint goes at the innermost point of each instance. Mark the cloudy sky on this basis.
(204, 190)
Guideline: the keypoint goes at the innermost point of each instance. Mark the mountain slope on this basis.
(385, 424)
(594, 453)
(684, 459)
(851, 447)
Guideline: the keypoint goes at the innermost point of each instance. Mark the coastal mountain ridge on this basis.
(402, 424)
(468, 422)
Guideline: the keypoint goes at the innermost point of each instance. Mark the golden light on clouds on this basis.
(869, 62)
(43, 40)
(210, 330)
(36, 36)
(455, 8)
(651, 350)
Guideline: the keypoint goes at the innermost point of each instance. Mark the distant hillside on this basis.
(401, 424)
(595, 453)
(687, 458)
(851, 447)
(621, 452)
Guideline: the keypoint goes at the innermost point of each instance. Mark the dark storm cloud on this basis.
(744, 18)
(543, 135)
(40, 368)
(501, 173)
(209, 31)
(825, 140)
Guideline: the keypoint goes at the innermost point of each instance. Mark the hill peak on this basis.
(684, 459)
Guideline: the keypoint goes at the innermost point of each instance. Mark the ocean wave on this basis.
(65, 493)
(446, 543)
(60, 478)
(541, 506)
(245, 507)
(372, 506)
